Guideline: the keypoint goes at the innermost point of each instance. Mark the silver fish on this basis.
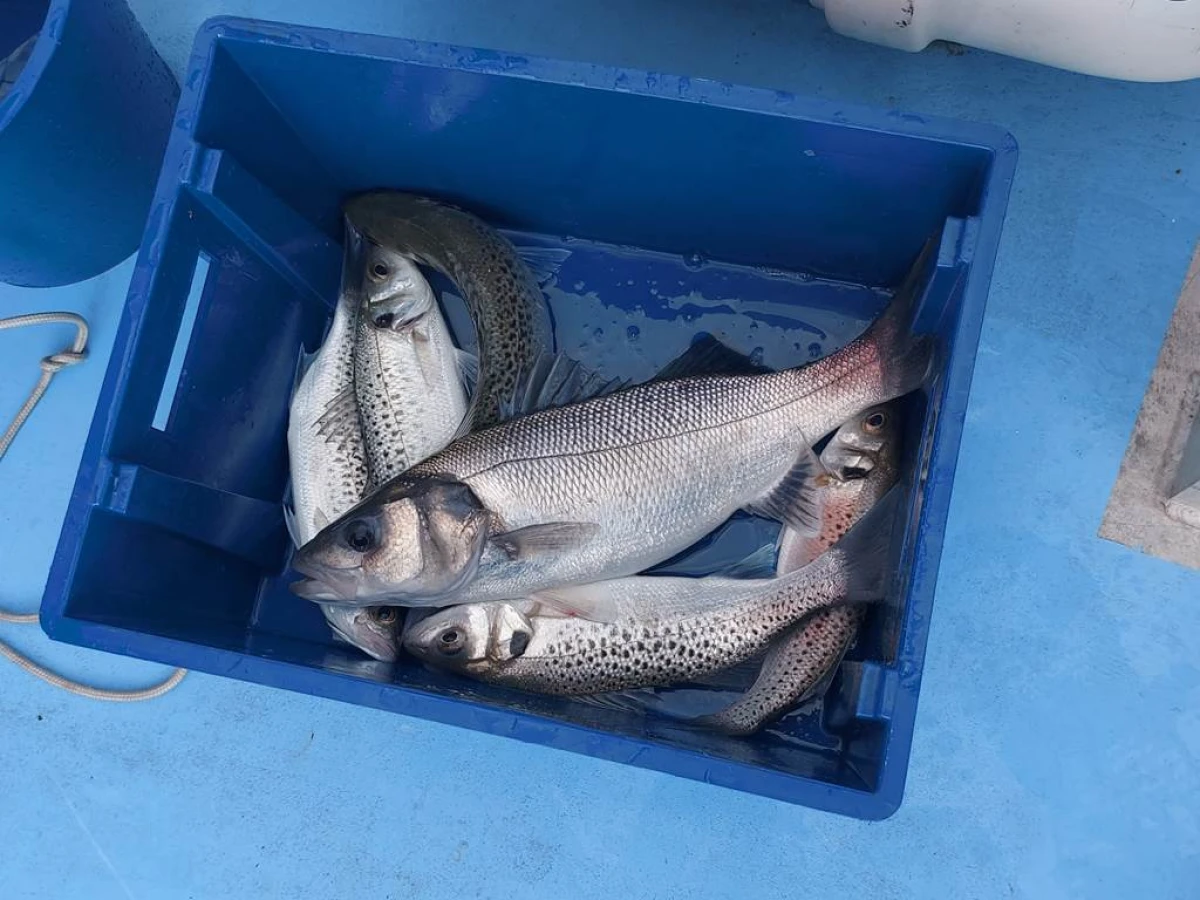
(408, 375)
(861, 463)
(665, 630)
(610, 486)
(512, 321)
(329, 468)
(375, 630)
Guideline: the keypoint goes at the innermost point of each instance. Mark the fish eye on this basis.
(874, 422)
(451, 641)
(384, 320)
(379, 271)
(383, 615)
(359, 535)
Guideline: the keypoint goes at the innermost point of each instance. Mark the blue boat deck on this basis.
(1057, 749)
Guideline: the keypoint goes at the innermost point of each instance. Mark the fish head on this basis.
(412, 542)
(473, 638)
(375, 630)
(863, 444)
(395, 294)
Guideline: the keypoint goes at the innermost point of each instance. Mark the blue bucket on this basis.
(85, 112)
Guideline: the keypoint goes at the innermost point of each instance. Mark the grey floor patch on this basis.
(1155, 504)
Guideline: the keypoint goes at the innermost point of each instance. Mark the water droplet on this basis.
(633, 332)
(814, 350)
(694, 260)
(756, 356)
(598, 333)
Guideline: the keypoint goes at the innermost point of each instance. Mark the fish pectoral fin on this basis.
(320, 520)
(468, 370)
(584, 601)
(796, 500)
(539, 540)
(543, 262)
(759, 564)
(340, 417)
(708, 356)
(293, 527)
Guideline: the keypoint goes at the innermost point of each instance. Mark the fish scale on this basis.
(613, 485)
(665, 630)
(801, 659)
(512, 322)
(329, 472)
(409, 390)
(655, 467)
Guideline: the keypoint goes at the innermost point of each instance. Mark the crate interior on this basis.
(782, 236)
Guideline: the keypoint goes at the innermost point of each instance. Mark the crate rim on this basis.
(996, 186)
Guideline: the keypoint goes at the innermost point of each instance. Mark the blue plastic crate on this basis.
(775, 222)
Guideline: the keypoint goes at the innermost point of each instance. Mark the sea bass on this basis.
(861, 463)
(329, 469)
(328, 462)
(664, 630)
(409, 393)
(512, 320)
(610, 486)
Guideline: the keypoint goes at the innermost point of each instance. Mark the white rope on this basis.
(51, 365)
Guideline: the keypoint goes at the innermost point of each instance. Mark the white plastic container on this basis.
(1134, 40)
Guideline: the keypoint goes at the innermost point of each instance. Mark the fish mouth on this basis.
(376, 649)
(328, 587)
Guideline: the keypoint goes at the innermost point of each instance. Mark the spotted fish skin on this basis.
(408, 380)
(329, 470)
(614, 485)
(802, 658)
(512, 320)
(665, 630)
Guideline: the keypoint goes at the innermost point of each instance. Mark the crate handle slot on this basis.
(183, 338)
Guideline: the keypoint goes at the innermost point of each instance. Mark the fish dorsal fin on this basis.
(708, 355)
(796, 500)
(543, 262)
(340, 418)
(553, 380)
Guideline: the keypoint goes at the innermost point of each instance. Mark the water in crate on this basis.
(623, 446)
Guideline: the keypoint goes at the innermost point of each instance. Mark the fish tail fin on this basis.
(907, 357)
